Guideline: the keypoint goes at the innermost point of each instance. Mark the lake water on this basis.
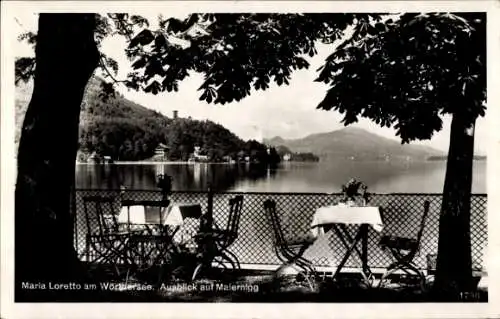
(322, 177)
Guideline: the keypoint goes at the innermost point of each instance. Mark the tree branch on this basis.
(102, 65)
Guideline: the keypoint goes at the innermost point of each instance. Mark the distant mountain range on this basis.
(355, 144)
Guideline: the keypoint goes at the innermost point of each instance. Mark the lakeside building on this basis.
(98, 159)
(197, 157)
(161, 152)
(107, 160)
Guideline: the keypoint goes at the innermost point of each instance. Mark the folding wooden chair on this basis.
(215, 242)
(404, 250)
(104, 241)
(150, 245)
(290, 251)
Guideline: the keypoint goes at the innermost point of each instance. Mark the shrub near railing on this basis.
(401, 215)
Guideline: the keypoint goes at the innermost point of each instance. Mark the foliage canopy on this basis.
(410, 72)
(402, 71)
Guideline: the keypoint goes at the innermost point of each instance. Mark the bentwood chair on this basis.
(290, 250)
(404, 250)
(214, 244)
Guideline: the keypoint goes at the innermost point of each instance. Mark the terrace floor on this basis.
(257, 286)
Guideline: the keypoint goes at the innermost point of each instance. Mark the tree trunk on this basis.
(454, 264)
(66, 57)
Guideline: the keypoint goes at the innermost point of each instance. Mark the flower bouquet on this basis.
(352, 189)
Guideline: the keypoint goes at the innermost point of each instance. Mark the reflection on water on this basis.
(197, 176)
(381, 177)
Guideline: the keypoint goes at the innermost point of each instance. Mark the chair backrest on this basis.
(191, 211)
(422, 222)
(387, 222)
(104, 214)
(233, 221)
(270, 209)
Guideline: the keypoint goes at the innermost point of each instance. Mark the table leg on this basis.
(364, 247)
(362, 235)
(346, 234)
(364, 242)
(349, 250)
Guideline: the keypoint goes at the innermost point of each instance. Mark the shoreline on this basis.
(151, 163)
(244, 163)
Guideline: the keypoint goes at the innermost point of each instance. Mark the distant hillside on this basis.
(355, 143)
(127, 131)
(93, 108)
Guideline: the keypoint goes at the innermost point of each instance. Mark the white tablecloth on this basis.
(343, 214)
(176, 213)
(185, 215)
(135, 214)
(172, 215)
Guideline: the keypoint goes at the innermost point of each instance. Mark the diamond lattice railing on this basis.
(401, 214)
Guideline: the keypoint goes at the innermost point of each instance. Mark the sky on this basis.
(286, 111)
